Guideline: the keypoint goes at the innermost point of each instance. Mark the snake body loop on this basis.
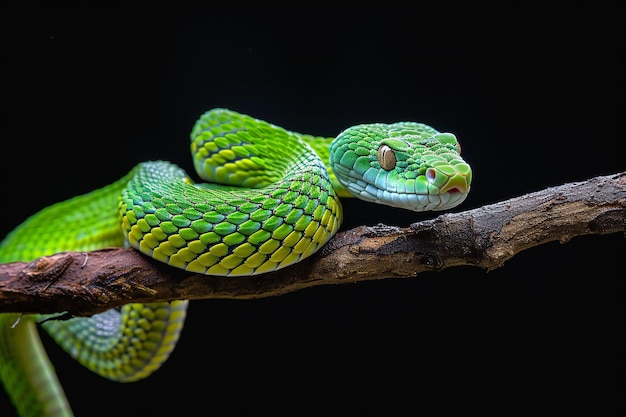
(284, 210)
(269, 198)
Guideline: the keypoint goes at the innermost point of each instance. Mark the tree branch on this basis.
(85, 283)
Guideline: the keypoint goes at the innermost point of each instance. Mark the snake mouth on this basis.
(421, 202)
(414, 201)
(448, 180)
(440, 188)
(451, 198)
(451, 183)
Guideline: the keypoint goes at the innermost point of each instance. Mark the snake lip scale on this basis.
(269, 197)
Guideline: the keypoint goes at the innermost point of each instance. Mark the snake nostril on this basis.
(431, 174)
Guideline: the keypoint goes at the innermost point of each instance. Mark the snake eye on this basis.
(386, 158)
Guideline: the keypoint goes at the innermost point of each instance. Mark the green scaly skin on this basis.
(270, 199)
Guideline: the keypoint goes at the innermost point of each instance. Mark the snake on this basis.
(266, 198)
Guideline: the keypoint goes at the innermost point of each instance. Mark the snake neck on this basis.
(321, 146)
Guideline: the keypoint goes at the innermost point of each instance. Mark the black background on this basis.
(535, 96)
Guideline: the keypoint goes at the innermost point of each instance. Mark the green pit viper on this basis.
(269, 199)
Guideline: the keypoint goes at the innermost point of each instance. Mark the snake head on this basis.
(406, 164)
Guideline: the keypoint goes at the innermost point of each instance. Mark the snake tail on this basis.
(27, 373)
(122, 345)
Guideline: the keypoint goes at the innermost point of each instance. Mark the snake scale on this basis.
(269, 198)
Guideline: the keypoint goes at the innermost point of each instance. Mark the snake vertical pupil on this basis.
(386, 158)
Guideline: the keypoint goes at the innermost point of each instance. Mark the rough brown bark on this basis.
(85, 283)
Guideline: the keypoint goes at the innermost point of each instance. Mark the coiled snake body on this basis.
(271, 199)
